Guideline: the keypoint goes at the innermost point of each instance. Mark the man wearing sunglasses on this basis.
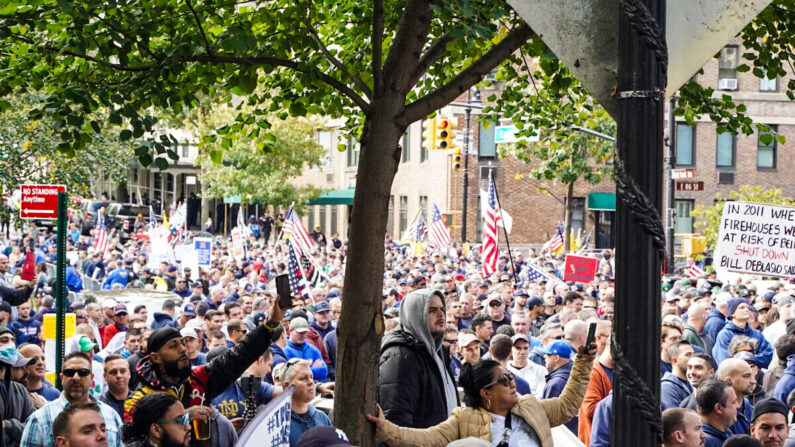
(237, 330)
(76, 378)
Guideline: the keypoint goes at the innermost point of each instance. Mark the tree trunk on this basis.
(361, 324)
(567, 220)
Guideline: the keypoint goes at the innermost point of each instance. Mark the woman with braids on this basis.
(494, 412)
(159, 420)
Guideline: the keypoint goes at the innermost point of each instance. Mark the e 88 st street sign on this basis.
(39, 201)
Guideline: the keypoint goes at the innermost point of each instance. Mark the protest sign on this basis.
(580, 268)
(271, 427)
(238, 247)
(203, 247)
(757, 238)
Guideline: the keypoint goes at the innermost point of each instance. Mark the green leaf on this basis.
(161, 163)
(125, 135)
(766, 139)
(782, 139)
(217, 157)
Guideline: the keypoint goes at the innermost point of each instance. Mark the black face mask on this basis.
(173, 370)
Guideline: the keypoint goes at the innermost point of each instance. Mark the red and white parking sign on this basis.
(39, 201)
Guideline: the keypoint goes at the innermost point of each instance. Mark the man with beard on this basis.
(80, 425)
(159, 420)
(117, 376)
(167, 367)
(76, 378)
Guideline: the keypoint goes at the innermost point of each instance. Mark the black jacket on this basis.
(15, 407)
(410, 388)
(15, 297)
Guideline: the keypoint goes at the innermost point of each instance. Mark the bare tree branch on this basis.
(377, 41)
(415, 24)
(467, 78)
(434, 53)
(339, 65)
(201, 28)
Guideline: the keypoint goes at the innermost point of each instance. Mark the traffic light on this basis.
(445, 133)
(457, 159)
(429, 134)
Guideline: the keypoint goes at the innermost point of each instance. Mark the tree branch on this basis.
(435, 51)
(201, 29)
(377, 41)
(339, 65)
(467, 78)
(415, 24)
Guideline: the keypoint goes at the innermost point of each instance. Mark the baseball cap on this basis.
(323, 436)
(120, 309)
(521, 292)
(299, 324)
(85, 343)
(5, 307)
(559, 347)
(195, 324)
(188, 332)
(466, 339)
(10, 356)
(518, 337)
(188, 310)
(109, 303)
(322, 306)
(534, 302)
(745, 356)
(172, 268)
(494, 298)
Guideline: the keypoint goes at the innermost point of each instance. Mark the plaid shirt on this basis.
(38, 427)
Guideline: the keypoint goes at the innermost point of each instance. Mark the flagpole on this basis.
(505, 231)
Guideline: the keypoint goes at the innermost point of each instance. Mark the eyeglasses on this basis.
(183, 420)
(82, 372)
(81, 316)
(495, 304)
(504, 380)
(452, 341)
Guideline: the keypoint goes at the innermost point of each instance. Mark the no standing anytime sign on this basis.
(39, 201)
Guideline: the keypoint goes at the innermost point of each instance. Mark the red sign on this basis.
(580, 268)
(689, 186)
(40, 201)
(683, 173)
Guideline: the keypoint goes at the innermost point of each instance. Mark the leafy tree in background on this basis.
(709, 216)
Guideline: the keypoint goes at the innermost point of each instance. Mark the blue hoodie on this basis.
(556, 381)
(787, 382)
(674, 390)
(715, 437)
(715, 322)
(163, 320)
(601, 435)
(720, 352)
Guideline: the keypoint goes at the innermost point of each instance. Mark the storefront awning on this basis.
(602, 201)
(338, 197)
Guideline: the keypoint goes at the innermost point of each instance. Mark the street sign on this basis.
(507, 134)
(689, 186)
(678, 174)
(580, 268)
(39, 201)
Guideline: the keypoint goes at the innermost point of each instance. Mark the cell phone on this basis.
(283, 289)
(591, 335)
(28, 267)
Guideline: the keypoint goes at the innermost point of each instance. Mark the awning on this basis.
(602, 201)
(338, 197)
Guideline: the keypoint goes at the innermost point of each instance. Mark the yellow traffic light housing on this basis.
(457, 159)
(445, 133)
(429, 134)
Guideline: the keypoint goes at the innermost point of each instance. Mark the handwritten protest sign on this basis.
(271, 427)
(580, 268)
(238, 247)
(757, 238)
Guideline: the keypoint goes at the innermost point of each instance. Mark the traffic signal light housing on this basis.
(429, 134)
(445, 133)
(457, 159)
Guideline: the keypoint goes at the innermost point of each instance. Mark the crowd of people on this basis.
(465, 360)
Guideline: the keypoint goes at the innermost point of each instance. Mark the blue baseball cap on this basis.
(559, 347)
(322, 306)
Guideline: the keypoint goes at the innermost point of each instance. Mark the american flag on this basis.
(556, 243)
(299, 237)
(585, 242)
(152, 218)
(297, 283)
(101, 241)
(314, 276)
(489, 249)
(696, 270)
(535, 273)
(439, 237)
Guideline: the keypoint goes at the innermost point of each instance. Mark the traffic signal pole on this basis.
(468, 111)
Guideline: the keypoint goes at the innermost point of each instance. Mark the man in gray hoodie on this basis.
(415, 387)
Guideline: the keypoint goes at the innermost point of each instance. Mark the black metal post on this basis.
(60, 286)
(466, 174)
(505, 232)
(640, 239)
(670, 187)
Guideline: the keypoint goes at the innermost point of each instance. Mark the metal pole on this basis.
(640, 238)
(466, 174)
(670, 187)
(60, 286)
(505, 232)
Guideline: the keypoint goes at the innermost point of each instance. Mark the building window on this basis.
(683, 223)
(724, 157)
(158, 181)
(766, 153)
(406, 157)
(334, 218)
(354, 148)
(311, 218)
(768, 85)
(487, 148)
(325, 138)
(685, 145)
(185, 150)
(322, 219)
(577, 215)
(727, 65)
(403, 221)
(390, 217)
(170, 182)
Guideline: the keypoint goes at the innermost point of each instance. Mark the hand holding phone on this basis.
(284, 292)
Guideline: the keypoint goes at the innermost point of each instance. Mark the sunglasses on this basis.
(495, 304)
(82, 372)
(241, 330)
(504, 380)
(559, 337)
(452, 341)
(183, 420)
(81, 316)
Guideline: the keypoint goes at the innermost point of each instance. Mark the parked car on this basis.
(124, 215)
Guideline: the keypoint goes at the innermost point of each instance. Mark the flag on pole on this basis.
(297, 283)
(101, 241)
(586, 242)
(152, 218)
(696, 270)
(489, 248)
(299, 237)
(416, 229)
(556, 242)
(438, 237)
(314, 276)
(535, 273)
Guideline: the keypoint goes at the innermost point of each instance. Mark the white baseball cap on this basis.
(466, 339)
(188, 332)
(109, 303)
